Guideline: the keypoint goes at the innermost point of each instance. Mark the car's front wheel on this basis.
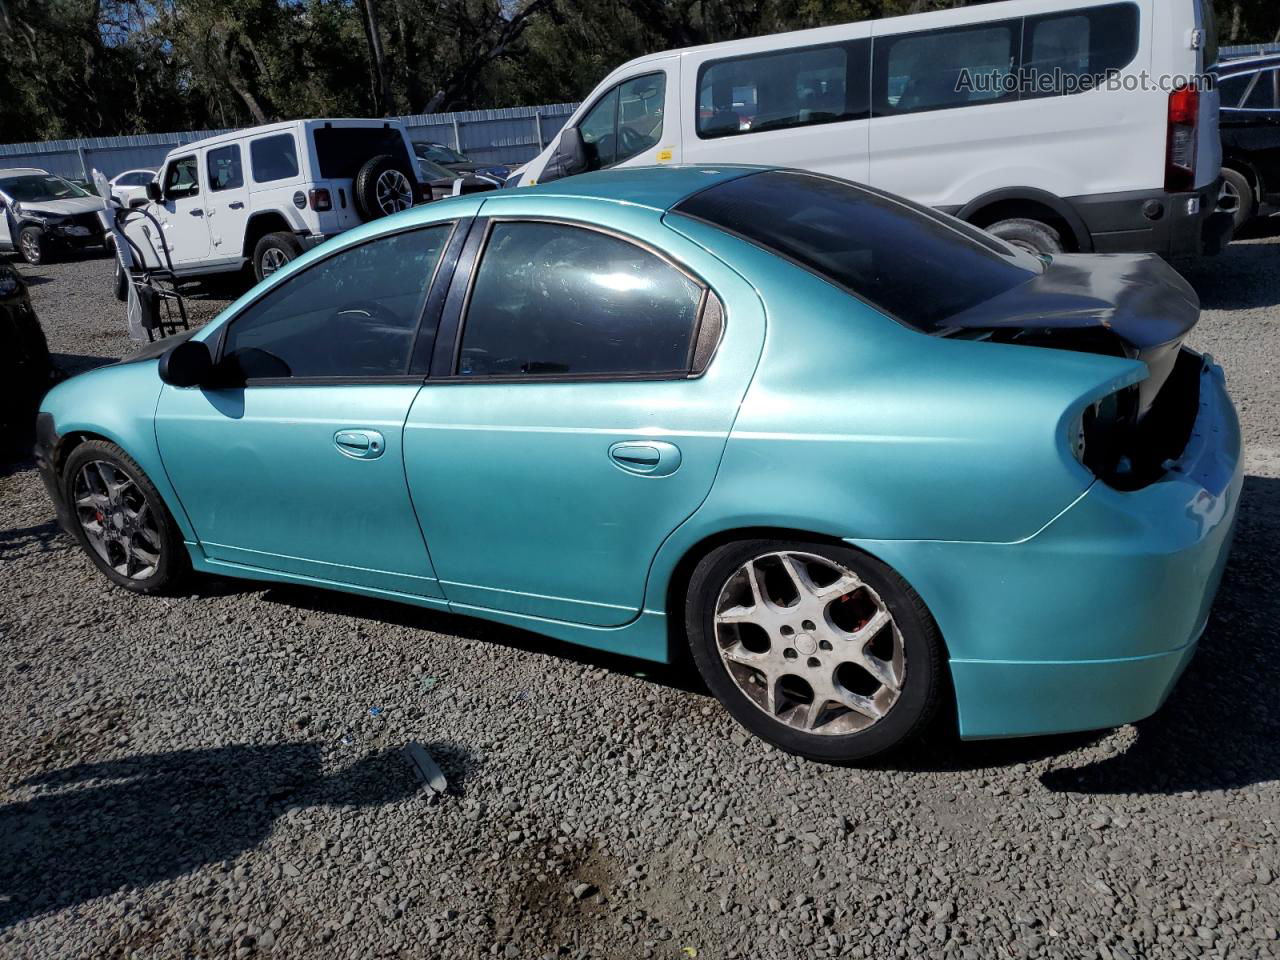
(121, 521)
(819, 649)
(33, 245)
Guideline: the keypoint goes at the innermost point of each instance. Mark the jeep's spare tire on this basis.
(383, 186)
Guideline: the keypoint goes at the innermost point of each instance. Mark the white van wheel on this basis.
(1031, 235)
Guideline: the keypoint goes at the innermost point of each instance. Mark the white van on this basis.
(1077, 125)
(263, 195)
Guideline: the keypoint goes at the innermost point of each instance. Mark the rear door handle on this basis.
(646, 458)
(360, 444)
(197, 212)
(235, 205)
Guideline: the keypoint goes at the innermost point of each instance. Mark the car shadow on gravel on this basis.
(69, 364)
(42, 538)
(1245, 276)
(95, 828)
(679, 674)
(1218, 730)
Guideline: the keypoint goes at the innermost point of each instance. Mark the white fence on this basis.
(509, 135)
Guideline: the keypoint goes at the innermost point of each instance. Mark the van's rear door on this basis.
(1209, 146)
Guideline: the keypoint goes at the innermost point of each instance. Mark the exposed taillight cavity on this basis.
(320, 200)
(1184, 134)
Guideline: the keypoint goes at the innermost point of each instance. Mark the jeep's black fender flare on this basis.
(1033, 197)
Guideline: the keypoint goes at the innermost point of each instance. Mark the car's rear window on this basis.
(917, 266)
(342, 151)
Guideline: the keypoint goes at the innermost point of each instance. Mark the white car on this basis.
(263, 195)
(1059, 125)
(130, 185)
(42, 215)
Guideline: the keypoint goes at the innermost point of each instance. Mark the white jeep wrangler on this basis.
(263, 195)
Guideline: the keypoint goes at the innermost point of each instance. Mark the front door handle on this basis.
(235, 205)
(360, 444)
(197, 212)
(646, 458)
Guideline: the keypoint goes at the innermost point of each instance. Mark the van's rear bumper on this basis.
(1173, 225)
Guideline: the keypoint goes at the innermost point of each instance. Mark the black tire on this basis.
(121, 283)
(271, 249)
(174, 564)
(1242, 187)
(365, 188)
(921, 681)
(33, 245)
(1031, 235)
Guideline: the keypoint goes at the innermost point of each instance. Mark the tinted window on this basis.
(1233, 89)
(139, 179)
(1263, 94)
(942, 69)
(354, 314)
(225, 172)
(913, 264)
(439, 153)
(342, 151)
(181, 178)
(625, 122)
(1077, 51)
(274, 158)
(774, 91)
(550, 299)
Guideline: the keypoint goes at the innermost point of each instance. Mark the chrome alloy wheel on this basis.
(117, 520)
(394, 191)
(30, 247)
(273, 258)
(809, 643)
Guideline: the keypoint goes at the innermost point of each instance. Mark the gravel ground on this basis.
(202, 775)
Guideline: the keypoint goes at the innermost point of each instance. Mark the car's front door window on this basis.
(353, 314)
(182, 178)
(625, 122)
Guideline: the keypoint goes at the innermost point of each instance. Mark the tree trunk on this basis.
(383, 99)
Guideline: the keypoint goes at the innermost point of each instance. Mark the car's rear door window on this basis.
(354, 314)
(1263, 94)
(915, 265)
(225, 171)
(556, 300)
(274, 158)
(945, 69)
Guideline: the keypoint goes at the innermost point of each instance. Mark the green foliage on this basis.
(105, 67)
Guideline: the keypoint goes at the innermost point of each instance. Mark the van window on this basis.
(625, 122)
(1233, 89)
(944, 69)
(1263, 94)
(225, 172)
(1077, 51)
(777, 91)
(913, 264)
(274, 158)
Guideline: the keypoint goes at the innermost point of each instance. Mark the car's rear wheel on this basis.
(33, 245)
(1031, 235)
(819, 649)
(272, 252)
(1236, 184)
(121, 521)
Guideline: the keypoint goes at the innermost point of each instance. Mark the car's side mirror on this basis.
(153, 192)
(189, 364)
(136, 202)
(569, 158)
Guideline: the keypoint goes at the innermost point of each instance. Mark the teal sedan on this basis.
(856, 458)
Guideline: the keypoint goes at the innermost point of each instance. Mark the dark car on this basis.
(459, 162)
(443, 182)
(1250, 127)
(26, 371)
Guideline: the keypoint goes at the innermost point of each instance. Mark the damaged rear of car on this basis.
(1031, 444)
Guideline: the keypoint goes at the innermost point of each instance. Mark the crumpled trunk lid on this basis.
(1130, 305)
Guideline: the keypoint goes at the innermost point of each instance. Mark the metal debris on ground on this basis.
(425, 767)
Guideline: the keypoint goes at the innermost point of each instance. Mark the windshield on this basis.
(433, 171)
(31, 187)
(917, 266)
(439, 153)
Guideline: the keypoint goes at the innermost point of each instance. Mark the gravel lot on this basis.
(202, 776)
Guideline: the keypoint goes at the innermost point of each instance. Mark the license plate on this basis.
(74, 231)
